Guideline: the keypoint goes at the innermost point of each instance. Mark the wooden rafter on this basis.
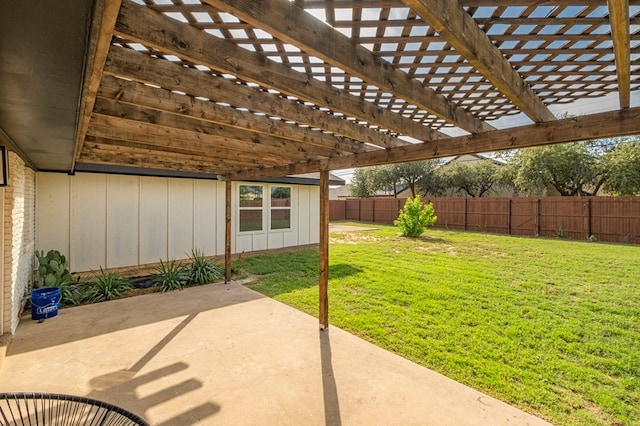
(603, 125)
(204, 155)
(117, 154)
(261, 108)
(290, 23)
(459, 29)
(153, 29)
(171, 76)
(136, 94)
(163, 126)
(619, 19)
(104, 20)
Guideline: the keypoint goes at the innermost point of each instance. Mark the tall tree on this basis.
(622, 168)
(416, 175)
(362, 183)
(476, 179)
(570, 169)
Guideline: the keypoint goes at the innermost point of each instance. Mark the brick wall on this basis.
(19, 240)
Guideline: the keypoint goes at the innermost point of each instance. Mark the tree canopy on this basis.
(417, 176)
(622, 168)
(580, 168)
(474, 180)
(571, 169)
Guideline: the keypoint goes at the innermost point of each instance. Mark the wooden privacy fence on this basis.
(612, 219)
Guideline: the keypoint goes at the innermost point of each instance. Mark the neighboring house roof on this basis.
(471, 158)
(340, 192)
(345, 192)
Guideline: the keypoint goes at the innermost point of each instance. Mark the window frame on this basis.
(281, 208)
(260, 209)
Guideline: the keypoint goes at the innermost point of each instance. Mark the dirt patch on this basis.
(348, 228)
(435, 249)
(354, 238)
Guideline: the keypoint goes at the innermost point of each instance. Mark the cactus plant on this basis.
(52, 270)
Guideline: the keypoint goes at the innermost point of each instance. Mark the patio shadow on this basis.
(329, 388)
(83, 322)
(125, 384)
(342, 270)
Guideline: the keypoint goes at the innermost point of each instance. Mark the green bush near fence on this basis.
(415, 217)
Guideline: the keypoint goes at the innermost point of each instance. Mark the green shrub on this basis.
(53, 270)
(107, 286)
(74, 293)
(203, 271)
(171, 276)
(415, 217)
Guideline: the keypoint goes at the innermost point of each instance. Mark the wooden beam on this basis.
(458, 28)
(227, 233)
(620, 30)
(105, 15)
(290, 23)
(186, 128)
(603, 125)
(153, 29)
(135, 159)
(158, 152)
(137, 94)
(324, 251)
(171, 76)
(148, 136)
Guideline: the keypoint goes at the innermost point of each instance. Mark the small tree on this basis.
(415, 217)
(475, 180)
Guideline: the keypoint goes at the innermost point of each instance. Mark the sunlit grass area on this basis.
(551, 326)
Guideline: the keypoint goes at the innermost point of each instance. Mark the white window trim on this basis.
(265, 201)
(290, 208)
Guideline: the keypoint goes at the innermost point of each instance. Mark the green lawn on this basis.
(551, 326)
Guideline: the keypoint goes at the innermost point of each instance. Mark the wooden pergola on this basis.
(255, 89)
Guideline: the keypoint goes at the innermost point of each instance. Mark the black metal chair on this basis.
(44, 409)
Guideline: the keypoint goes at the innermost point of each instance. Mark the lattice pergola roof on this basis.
(248, 89)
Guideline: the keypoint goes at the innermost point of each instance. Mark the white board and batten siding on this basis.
(110, 221)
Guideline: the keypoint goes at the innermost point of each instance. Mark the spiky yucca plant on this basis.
(203, 271)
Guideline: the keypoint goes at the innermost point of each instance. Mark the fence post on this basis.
(539, 217)
(509, 217)
(373, 212)
(465, 212)
(359, 210)
(589, 230)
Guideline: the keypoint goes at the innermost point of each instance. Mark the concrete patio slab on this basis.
(224, 354)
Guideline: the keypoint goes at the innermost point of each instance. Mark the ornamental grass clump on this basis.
(171, 275)
(106, 286)
(415, 217)
(203, 271)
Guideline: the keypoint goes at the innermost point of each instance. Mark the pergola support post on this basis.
(227, 234)
(324, 250)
